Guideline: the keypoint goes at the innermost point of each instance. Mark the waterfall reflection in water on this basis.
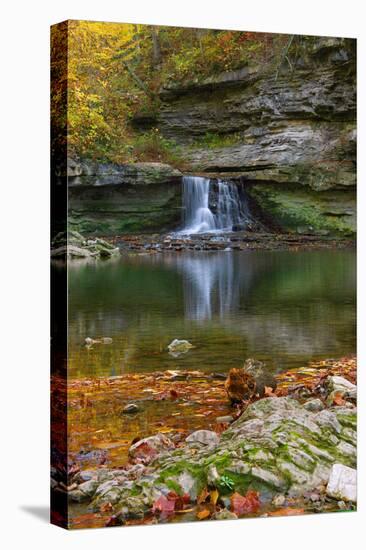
(210, 285)
(283, 307)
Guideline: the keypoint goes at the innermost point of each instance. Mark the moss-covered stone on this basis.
(297, 208)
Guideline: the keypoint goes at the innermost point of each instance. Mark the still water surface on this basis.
(284, 307)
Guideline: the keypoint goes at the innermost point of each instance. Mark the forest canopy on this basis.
(115, 71)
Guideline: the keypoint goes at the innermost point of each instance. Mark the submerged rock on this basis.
(179, 346)
(131, 408)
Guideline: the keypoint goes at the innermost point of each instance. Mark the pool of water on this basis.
(284, 307)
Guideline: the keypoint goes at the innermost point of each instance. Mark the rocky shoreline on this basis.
(238, 240)
(77, 247)
(294, 449)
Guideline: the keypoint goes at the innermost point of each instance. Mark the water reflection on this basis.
(209, 285)
(284, 307)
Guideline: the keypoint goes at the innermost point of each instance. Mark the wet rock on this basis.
(78, 496)
(131, 408)
(278, 500)
(314, 405)
(224, 419)
(338, 383)
(106, 340)
(342, 483)
(224, 514)
(179, 346)
(339, 386)
(86, 475)
(89, 487)
(204, 437)
(148, 448)
(212, 475)
(188, 484)
(72, 245)
(275, 446)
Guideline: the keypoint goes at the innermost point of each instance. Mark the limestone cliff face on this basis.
(110, 199)
(294, 130)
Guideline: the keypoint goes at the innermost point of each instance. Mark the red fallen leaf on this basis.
(245, 504)
(179, 501)
(173, 394)
(163, 505)
(287, 512)
(113, 521)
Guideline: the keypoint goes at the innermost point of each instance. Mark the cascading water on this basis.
(199, 218)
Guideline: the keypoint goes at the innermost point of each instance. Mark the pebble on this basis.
(224, 419)
(278, 500)
(131, 408)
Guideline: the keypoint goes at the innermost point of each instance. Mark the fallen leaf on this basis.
(106, 507)
(287, 512)
(163, 505)
(338, 399)
(202, 497)
(245, 504)
(203, 514)
(214, 495)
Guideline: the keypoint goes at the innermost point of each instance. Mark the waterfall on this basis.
(198, 216)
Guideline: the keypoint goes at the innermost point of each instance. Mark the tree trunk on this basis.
(156, 46)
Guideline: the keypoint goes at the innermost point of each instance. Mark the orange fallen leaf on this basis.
(106, 507)
(203, 514)
(202, 497)
(287, 512)
(338, 399)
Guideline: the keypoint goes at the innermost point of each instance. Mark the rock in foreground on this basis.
(276, 446)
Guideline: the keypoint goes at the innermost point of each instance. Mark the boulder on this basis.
(342, 483)
(275, 446)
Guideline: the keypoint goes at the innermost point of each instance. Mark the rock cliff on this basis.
(109, 199)
(293, 133)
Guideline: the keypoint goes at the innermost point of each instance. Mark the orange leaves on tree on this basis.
(245, 504)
